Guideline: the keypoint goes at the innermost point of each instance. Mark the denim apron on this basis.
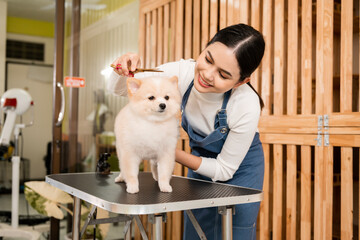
(250, 174)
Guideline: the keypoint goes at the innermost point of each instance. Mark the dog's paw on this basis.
(119, 178)
(132, 188)
(165, 187)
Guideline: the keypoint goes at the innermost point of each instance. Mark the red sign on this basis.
(76, 82)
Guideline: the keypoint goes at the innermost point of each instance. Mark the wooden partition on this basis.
(308, 79)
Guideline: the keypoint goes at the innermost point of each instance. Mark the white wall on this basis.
(38, 82)
(3, 17)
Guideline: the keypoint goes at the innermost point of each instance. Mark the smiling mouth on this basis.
(203, 83)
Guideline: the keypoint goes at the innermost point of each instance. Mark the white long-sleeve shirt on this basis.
(243, 112)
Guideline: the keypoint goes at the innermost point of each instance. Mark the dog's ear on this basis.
(174, 80)
(133, 84)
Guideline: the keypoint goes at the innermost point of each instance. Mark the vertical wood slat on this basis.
(329, 186)
(324, 58)
(179, 30)
(318, 194)
(222, 12)
(213, 17)
(166, 38)
(236, 11)
(173, 29)
(142, 36)
(230, 12)
(266, 78)
(278, 192)
(255, 23)
(153, 38)
(291, 183)
(279, 57)
(196, 29)
(205, 23)
(244, 11)
(292, 52)
(188, 31)
(148, 40)
(265, 203)
(205, 7)
(160, 33)
(346, 61)
(291, 188)
(346, 193)
(305, 193)
(328, 154)
(306, 56)
(278, 110)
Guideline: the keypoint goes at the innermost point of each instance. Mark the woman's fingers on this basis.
(126, 64)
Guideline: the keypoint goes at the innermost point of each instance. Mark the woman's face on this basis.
(216, 70)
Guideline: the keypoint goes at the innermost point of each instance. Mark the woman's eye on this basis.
(151, 98)
(221, 75)
(167, 97)
(207, 60)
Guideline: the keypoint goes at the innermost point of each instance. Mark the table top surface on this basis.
(102, 191)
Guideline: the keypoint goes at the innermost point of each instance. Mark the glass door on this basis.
(95, 34)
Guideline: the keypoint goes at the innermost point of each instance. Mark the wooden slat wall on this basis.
(297, 83)
(306, 103)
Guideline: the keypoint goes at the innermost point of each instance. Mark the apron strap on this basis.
(221, 116)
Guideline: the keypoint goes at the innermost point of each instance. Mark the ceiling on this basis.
(44, 10)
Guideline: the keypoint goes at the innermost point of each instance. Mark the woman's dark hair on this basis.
(248, 45)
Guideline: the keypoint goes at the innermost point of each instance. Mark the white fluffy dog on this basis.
(147, 128)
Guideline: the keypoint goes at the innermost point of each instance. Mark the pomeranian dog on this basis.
(147, 128)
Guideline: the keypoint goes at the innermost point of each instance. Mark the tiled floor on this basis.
(115, 231)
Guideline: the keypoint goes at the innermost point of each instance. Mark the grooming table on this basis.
(103, 192)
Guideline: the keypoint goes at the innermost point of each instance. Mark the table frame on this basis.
(157, 211)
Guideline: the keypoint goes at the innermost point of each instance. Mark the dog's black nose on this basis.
(162, 106)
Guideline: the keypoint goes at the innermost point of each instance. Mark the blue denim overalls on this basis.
(250, 174)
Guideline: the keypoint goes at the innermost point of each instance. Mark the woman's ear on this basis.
(246, 80)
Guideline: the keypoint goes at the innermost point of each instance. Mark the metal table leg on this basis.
(157, 227)
(196, 224)
(76, 219)
(226, 213)
(157, 220)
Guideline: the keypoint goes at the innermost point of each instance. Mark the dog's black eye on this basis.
(167, 97)
(151, 98)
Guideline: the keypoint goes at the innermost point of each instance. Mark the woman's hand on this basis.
(126, 64)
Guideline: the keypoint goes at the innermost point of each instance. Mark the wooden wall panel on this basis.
(255, 23)
(244, 14)
(196, 28)
(165, 37)
(154, 45)
(188, 29)
(205, 13)
(266, 70)
(222, 14)
(214, 18)
(306, 198)
(346, 61)
(160, 36)
(346, 193)
(179, 30)
(278, 200)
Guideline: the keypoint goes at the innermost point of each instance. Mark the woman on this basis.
(220, 113)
